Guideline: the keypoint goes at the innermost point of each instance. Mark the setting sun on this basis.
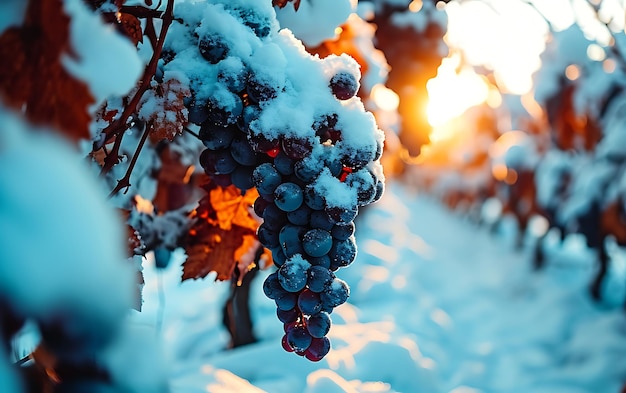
(450, 93)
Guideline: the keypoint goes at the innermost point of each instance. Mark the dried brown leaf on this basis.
(32, 77)
(131, 27)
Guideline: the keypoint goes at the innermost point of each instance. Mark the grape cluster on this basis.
(311, 235)
(313, 164)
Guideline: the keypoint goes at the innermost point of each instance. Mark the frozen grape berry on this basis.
(293, 274)
(288, 196)
(344, 85)
(213, 48)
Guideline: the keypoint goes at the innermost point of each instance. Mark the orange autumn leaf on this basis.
(215, 253)
(32, 76)
(223, 236)
(232, 208)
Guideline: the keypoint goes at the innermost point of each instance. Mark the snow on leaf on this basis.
(32, 76)
(163, 105)
(223, 236)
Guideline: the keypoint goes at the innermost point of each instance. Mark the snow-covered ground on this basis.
(438, 304)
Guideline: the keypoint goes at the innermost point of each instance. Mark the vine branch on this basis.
(125, 181)
(120, 125)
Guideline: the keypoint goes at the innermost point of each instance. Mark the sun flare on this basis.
(453, 91)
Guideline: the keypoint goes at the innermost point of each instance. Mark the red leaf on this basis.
(32, 77)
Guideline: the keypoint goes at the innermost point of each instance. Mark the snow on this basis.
(62, 224)
(315, 21)
(436, 305)
(105, 60)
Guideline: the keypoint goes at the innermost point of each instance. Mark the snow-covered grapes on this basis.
(289, 124)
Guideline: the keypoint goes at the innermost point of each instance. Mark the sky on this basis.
(507, 36)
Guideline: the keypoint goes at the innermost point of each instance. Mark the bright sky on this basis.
(508, 37)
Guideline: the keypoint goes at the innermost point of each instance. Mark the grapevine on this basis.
(305, 144)
(207, 121)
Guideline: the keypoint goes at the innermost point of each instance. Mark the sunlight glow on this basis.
(385, 98)
(506, 37)
(416, 5)
(572, 72)
(450, 93)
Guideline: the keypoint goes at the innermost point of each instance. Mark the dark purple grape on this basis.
(259, 206)
(285, 344)
(323, 261)
(313, 199)
(216, 137)
(318, 325)
(343, 230)
(217, 162)
(318, 348)
(317, 242)
(307, 170)
(319, 278)
(335, 294)
(287, 301)
(266, 178)
(320, 219)
(272, 287)
(283, 164)
(309, 302)
(231, 76)
(288, 197)
(279, 257)
(300, 216)
(259, 91)
(333, 163)
(260, 143)
(297, 148)
(287, 316)
(342, 214)
(290, 238)
(242, 152)
(274, 218)
(360, 158)
(224, 111)
(198, 113)
(293, 274)
(249, 114)
(344, 85)
(342, 253)
(242, 177)
(213, 47)
(267, 237)
(299, 338)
